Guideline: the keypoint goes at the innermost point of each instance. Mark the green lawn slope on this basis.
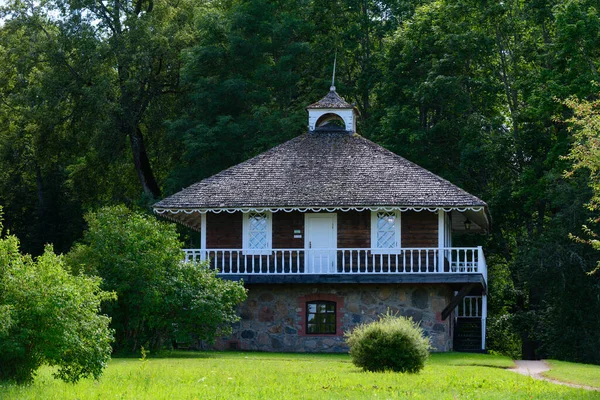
(294, 376)
(581, 374)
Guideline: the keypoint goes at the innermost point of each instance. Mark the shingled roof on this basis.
(322, 169)
(331, 100)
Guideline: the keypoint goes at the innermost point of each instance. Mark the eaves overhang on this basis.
(182, 215)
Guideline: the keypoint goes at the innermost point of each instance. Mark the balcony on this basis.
(347, 265)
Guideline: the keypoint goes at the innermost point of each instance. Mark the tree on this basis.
(93, 112)
(258, 63)
(160, 298)
(40, 112)
(86, 89)
(141, 44)
(49, 316)
(245, 85)
(585, 155)
(467, 92)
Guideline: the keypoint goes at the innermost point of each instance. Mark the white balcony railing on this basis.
(470, 307)
(450, 260)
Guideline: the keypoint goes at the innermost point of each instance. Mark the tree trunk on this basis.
(142, 164)
(528, 348)
(40, 193)
(43, 236)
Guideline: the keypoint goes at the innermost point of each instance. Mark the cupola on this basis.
(332, 113)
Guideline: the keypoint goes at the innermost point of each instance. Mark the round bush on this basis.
(391, 343)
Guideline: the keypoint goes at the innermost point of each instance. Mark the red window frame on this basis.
(339, 315)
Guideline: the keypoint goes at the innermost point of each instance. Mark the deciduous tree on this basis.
(49, 316)
(160, 298)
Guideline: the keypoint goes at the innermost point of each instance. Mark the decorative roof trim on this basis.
(315, 209)
(172, 218)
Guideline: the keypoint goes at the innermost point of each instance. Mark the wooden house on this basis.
(329, 230)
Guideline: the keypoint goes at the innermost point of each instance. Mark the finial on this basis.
(332, 88)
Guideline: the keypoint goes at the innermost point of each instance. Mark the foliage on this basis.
(391, 343)
(117, 102)
(502, 337)
(585, 155)
(37, 113)
(48, 316)
(468, 94)
(189, 375)
(160, 298)
(244, 76)
(86, 88)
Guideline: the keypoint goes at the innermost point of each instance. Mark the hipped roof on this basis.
(331, 100)
(319, 169)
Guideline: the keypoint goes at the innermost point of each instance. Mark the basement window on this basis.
(320, 317)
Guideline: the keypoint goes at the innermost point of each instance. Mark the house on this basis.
(329, 230)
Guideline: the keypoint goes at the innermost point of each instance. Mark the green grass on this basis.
(581, 374)
(294, 376)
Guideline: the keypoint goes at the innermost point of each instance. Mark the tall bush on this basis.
(391, 343)
(49, 316)
(160, 298)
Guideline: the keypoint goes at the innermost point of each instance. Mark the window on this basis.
(257, 233)
(385, 231)
(320, 317)
(312, 314)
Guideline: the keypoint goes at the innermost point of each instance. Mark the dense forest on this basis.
(127, 101)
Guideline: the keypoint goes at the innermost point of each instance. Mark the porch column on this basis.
(203, 236)
(483, 319)
(441, 239)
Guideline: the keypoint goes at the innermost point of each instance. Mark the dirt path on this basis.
(535, 369)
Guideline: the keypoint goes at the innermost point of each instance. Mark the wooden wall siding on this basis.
(224, 231)
(284, 224)
(354, 229)
(419, 229)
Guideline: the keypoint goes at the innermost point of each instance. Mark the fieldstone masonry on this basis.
(272, 318)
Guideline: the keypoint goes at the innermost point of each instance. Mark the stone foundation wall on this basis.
(273, 319)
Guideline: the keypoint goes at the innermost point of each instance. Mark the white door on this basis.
(320, 243)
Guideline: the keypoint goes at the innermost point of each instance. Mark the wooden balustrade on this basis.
(470, 307)
(467, 260)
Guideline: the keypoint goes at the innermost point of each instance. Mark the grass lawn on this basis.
(294, 376)
(582, 374)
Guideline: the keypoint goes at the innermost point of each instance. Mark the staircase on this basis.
(467, 335)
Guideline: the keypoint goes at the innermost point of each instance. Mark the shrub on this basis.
(160, 298)
(502, 337)
(391, 343)
(48, 316)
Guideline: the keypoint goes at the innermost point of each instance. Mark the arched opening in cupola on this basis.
(331, 121)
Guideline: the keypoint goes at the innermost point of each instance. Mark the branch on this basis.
(60, 53)
(106, 16)
(138, 7)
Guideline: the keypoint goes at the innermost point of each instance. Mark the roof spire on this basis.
(332, 88)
